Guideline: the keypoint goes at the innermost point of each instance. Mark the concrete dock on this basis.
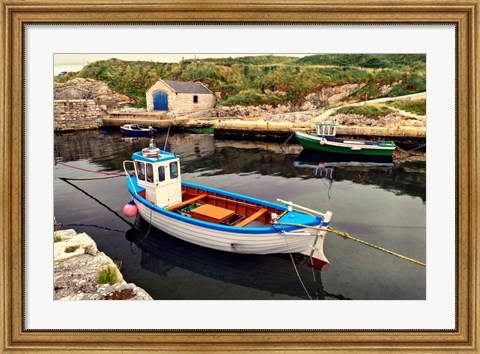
(253, 129)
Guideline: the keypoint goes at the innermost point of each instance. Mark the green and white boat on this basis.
(326, 141)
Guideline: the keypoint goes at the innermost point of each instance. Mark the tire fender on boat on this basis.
(322, 142)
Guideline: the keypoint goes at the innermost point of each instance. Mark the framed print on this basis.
(424, 300)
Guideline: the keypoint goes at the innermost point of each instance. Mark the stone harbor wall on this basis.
(77, 115)
(77, 263)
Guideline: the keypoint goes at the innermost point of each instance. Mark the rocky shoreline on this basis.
(77, 264)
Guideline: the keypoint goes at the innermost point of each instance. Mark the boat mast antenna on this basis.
(166, 139)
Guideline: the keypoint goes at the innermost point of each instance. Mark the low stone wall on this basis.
(261, 126)
(77, 263)
(77, 115)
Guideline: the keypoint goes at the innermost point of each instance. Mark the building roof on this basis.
(187, 87)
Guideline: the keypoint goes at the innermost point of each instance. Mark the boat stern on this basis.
(303, 217)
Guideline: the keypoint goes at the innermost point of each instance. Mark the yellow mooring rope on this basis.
(346, 235)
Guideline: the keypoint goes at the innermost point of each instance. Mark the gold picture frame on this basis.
(463, 14)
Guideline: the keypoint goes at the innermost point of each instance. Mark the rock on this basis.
(65, 234)
(80, 88)
(125, 292)
(76, 272)
(385, 89)
(330, 96)
(73, 245)
(390, 120)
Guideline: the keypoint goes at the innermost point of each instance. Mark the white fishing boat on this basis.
(216, 218)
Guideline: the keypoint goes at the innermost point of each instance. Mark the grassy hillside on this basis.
(265, 79)
(367, 111)
(416, 107)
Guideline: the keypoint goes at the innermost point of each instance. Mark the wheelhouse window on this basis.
(173, 170)
(149, 173)
(195, 99)
(161, 173)
(140, 167)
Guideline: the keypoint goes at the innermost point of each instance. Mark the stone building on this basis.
(179, 97)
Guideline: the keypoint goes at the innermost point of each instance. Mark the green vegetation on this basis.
(417, 107)
(409, 85)
(265, 79)
(107, 275)
(57, 238)
(71, 249)
(372, 112)
(251, 97)
(399, 61)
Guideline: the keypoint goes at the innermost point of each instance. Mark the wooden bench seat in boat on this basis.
(252, 217)
(211, 213)
(186, 202)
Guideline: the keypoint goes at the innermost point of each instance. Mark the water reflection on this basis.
(407, 177)
(200, 153)
(360, 193)
(161, 253)
(109, 150)
(310, 158)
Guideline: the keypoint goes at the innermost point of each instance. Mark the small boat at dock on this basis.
(135, 130)
(325, 140)
(219, 219)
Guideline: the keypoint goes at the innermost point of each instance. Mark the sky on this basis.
(75, 62)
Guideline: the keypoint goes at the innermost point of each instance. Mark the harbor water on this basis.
(381, 203)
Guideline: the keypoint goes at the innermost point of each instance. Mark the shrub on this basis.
(369, 91)
(417, 106)
(107, 275)
(411, 85)
(57, 238)
(367, 111)
(250, 97)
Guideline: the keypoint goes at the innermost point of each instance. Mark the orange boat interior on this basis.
(221, 209)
